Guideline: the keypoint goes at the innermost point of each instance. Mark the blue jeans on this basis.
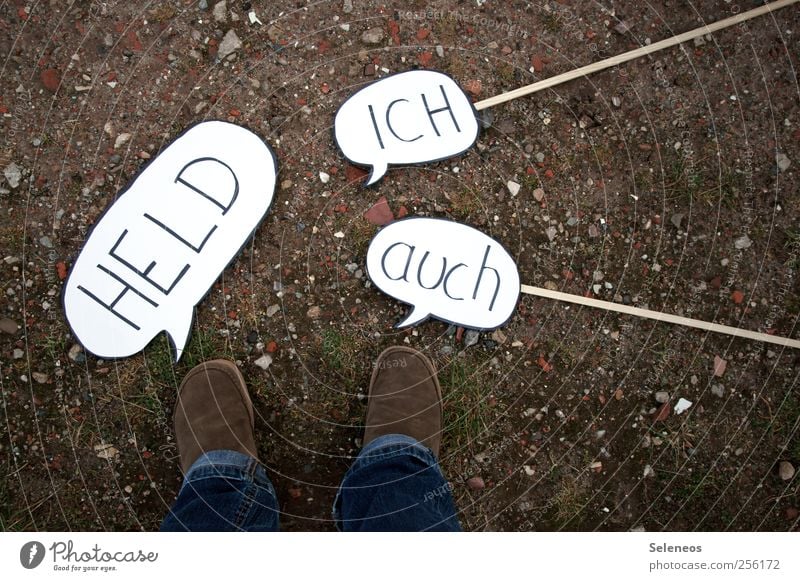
(395, 484)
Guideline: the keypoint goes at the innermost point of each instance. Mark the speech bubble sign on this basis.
(160, 246)
(411, 117)
(446, 270)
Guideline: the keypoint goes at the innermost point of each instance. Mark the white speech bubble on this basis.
(157, 250)
(446, 270)
(411, 117)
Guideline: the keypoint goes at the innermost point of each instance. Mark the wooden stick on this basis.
(630, 55)
(657, 316)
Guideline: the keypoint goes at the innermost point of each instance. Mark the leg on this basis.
(225, 487)
(396, 484)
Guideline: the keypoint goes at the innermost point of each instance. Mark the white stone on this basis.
(513, 188)
(12, 174)
(782, 161)
(682, 406)
(264, 361)
(229, 45)
(221, 11)
(743, 242)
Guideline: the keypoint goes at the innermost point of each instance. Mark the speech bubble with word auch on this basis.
(411, 117)
(446, 270)
(157, 250)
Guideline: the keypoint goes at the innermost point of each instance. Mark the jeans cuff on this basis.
(390, 445)
(226, 464)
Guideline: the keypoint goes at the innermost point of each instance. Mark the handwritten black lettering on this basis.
(422, 265)
(447, 107)
(447, 278)
(209, 197)
(404, 276)
(172, 232)
(389, 122)
(146, 272)
(480, 277)
(375, 125)
(126, 287)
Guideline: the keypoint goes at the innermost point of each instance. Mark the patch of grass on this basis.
(360, 233)
(506, 74)
(529, 182)
(465, 407)
(698, 484)
(464, 204)
(159, 356)
(162, 13)
(5, 502)
(340, 353)
(55, 344)
(570, 498)
(792, 246)
(551, 22)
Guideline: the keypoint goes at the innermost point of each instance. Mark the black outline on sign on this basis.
(418, 164)
(431, 315)
(121, 192)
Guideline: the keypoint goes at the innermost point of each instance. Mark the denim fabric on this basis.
(224, 491)
(395, 484)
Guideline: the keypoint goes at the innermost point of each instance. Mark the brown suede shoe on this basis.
(213, 412)
(405, 398)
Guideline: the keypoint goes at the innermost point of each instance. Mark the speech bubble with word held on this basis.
(445, 270)
(411, 117)
(160, 246)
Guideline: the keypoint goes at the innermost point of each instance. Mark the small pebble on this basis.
(513, 188)
(372, 36)
(785, 470)
(476, 483)
(743, 242)
(264, 362)
(121, 140)
(324, 177)
(682, 406)
(471, 337)
(229, 45)
(782, 161)
(9, 326)
(662, 396)
(75, 354)
(13, 175)
(220, 12)
(314, 312)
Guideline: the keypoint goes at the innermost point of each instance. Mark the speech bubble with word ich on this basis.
(160, 246)
(445, 270)
(411, 117)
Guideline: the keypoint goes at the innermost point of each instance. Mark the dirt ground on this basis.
(670, 183)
